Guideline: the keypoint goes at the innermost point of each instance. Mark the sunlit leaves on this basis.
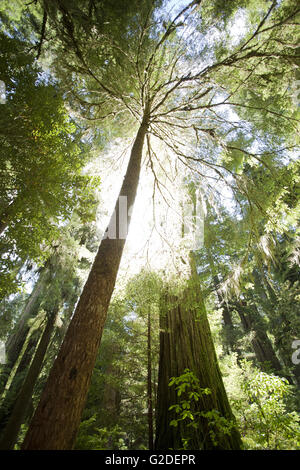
(42, 157)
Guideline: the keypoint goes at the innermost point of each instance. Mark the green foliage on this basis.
(93, 52)
(263, 405)
(284, 320)
(42, 158)
(189, 391)
(110, 58)
(117, 398)
(100, 438)
(9, 313)
(59, 283)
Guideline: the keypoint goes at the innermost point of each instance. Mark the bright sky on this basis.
(148, 243)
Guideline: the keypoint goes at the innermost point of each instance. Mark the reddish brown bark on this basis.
(186, 343)
(57, 418)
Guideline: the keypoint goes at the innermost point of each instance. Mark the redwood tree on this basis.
(65, 393)
(186, 343)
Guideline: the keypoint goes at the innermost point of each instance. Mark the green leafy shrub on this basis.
(188, 388)
(262, 404)
(94, 438)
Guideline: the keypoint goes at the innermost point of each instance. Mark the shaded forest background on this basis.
(195, 345)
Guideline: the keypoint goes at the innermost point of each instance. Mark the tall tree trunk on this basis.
(56, 420)
(23, 400)
(149, 384)
(186, 343)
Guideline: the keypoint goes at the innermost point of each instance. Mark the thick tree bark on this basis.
(56, 421)
(23, 400)
(186, 342)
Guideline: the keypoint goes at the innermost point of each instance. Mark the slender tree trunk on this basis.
(16, 340)
(283, 346)
(186, 342)
(261, 287)
(111, 398)
(11, 394)
(269, 289)
(149, 384)
(18, 415)
(57, 418)
(228, 328)
(261, 343)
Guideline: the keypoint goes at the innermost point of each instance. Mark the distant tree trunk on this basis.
(16, 340)
(283, 345)
(285, 352)
(11, 394)
(262, 287)
(57, 418)
(111, 398)
(228, 328)
(271, 294)
(186, 342)
(261, 343)
(149, 384)
(23, 400)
